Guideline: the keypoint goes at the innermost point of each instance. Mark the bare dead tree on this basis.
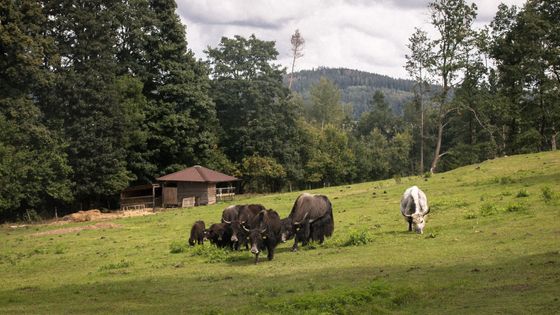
(297, 48)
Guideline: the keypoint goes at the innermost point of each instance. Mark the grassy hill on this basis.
(491, 245)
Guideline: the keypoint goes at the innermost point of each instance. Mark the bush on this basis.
(358, 237)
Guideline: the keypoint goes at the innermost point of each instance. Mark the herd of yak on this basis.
(311, 219)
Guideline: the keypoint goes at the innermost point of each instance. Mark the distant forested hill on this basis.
(357, 87)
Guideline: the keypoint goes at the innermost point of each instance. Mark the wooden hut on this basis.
(194, 186)
(190, 187)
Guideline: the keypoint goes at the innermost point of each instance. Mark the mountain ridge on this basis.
(357, 87)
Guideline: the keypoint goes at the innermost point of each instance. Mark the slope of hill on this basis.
(490, 246)
(357, 87)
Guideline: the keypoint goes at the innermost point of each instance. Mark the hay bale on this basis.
(83, 216)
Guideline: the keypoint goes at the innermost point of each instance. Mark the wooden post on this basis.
(153, 198)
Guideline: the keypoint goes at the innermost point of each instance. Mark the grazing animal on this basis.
(245, 215)
(264, 233)
(219, 234)
(414, 208)
(230, 214)
(198, 233)
(311, 219)
(317, 229)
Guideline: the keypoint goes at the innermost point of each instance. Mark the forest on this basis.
(99, 95)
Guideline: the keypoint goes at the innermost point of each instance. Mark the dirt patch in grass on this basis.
(96, 215)
(75, 229)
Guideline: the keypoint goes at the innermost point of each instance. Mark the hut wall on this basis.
(211, 193)
(192, 189)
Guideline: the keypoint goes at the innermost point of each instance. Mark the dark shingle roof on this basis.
(197, 173)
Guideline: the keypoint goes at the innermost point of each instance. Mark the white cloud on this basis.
(358, 34)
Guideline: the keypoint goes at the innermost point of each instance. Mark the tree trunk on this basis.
(292, 73)
(421, 137)
(438, 146)
(553, 138)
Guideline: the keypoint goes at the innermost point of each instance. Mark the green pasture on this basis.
(491, 246)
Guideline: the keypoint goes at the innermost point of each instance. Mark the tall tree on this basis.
(416, 63)
(297, 42)
(181, 116)
(452, 20)
(252, 104)
(88, 102)
(34, 171)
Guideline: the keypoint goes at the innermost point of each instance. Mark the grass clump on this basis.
(210, 253)
(470, 215)
(177, 247)
(523, 193)
(488, 210)
(120, 265)
(358, 237)
(504, 180)
(547, 194)
(516, 207)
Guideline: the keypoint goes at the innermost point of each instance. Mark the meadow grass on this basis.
(491, 245)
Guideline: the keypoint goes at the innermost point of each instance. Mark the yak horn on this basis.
(226, 221)
(263, 230)
(246, 229)
(305, 216)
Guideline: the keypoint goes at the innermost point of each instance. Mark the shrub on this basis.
(523, 193)
(358, 237)
(427, 175)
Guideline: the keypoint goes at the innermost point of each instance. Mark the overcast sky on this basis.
(356, 34)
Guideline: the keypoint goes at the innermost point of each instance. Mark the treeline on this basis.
(99, 95)
(498, 88)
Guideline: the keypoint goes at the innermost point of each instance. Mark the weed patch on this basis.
(470, 215)
(177, 247)
(213, 254)
(547, 194)
(516, 207)
(120, 265)
(523, 193)
(504, 180)
(488, 210)
(358, 237)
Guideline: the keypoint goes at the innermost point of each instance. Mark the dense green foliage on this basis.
(99, 95)
(484, 250)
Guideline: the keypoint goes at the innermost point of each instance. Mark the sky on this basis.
(357, 34)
